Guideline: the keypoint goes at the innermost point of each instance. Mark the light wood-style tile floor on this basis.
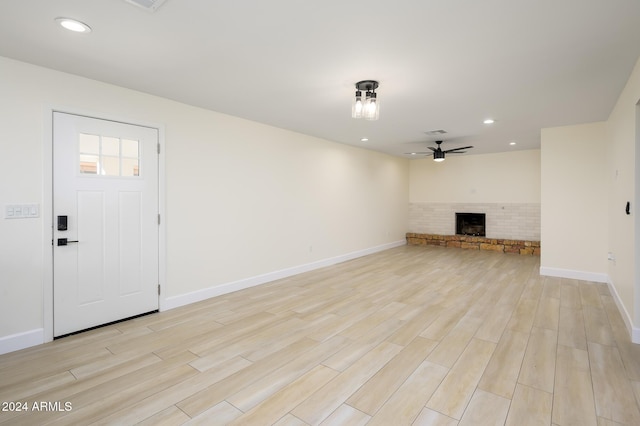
(412, 335)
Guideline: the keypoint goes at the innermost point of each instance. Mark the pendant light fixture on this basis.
(369, 108)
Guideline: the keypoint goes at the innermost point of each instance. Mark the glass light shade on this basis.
(371, 107)
(357, 107)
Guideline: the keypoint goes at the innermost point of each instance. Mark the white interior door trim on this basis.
(47, 204)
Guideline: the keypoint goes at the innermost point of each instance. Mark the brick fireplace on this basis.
(512, 221)
(509, 227)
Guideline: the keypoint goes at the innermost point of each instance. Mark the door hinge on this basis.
(158, 218)
(158, 148)
(158, 289)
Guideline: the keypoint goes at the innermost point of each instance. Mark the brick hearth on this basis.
(523, 247)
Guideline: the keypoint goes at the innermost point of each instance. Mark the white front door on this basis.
(105, 206)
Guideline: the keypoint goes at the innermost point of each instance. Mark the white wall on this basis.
(507, 177)
(623, 128)
(243, 200)
(574, 208)
(505, 186)
(595, 168)
(263, 199)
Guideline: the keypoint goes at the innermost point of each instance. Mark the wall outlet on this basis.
(611, 256)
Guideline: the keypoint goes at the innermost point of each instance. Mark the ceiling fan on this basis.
(438, 153)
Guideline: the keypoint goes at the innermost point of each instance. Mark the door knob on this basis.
(64, 241)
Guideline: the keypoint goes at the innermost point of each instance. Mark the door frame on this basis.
(46, 210)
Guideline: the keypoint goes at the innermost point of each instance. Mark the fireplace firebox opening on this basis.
(470, 224)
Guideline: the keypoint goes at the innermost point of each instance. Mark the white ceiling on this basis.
(441, 64)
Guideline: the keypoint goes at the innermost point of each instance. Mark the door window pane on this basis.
(110, 146)
(130, 148)
(89, 164)
(108, 156)
(130, 167)
(89, 144)
(110, 166)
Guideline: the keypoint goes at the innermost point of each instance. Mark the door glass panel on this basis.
(110, 166)
(130, 167)
(130, 148)
(89, 164)
(108, 156)
(89, 153)
(110, 146)
(89, 144)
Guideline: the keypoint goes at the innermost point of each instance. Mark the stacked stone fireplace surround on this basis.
(510, 227)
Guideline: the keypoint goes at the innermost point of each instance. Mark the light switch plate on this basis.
(21, 211)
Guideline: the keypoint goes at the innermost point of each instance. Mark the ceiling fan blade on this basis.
(432, 149)
(456, 152)
(458, 149)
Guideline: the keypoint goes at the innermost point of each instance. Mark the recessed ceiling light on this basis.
(364, 139)
(489, 121)
(413, 153)
(73, 25)
(512, 143)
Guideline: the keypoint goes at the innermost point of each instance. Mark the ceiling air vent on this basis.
(436, 132)
(149, 5)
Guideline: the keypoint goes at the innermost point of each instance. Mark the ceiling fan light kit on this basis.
(439, 153)
(369, 108)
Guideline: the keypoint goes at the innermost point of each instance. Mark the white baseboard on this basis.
(634, 332)
(26, 339)
(35, 337)
(197, 296)
(574, 275)
(23, 340)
